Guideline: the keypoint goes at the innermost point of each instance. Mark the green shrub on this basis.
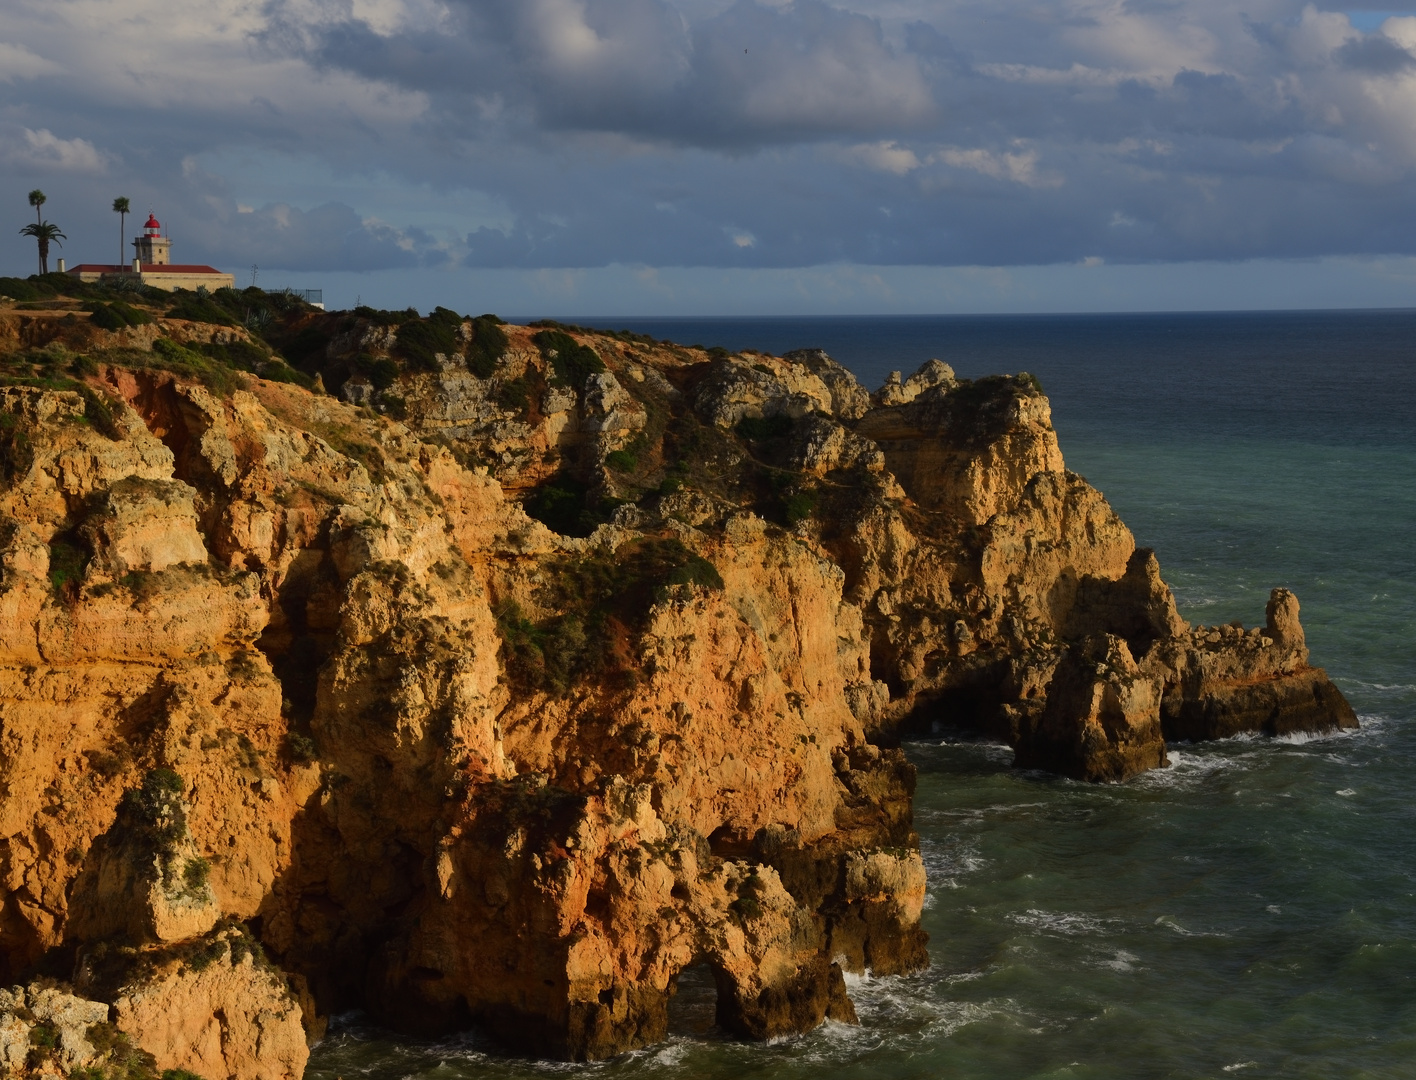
(565, 505)
(130, 315)
(799, 505)
(756, 428)
(20, 289)
(621, 461)
(572, 362)
(489, 345)
(381, 317)
(383, 373)
(419, 340)
(600, 599)
(745, 907)
(278, 371)
(246, 355)
(301, 748)
(201, 309)
(548, 656)
(516, 394)
(154, 819)
(122, 1060)
(97, 411)
(67, 562)
(695, 570)
(16, 447)
(173, 356)
(195, 874)
(105, 318)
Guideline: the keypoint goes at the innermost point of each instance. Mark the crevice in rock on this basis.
(693, 1002)
(300, 635)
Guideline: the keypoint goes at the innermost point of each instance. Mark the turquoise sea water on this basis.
(1250, 911)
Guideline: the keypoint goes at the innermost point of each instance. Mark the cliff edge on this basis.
(502, 687)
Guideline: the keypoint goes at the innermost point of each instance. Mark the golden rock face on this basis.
(450, 765)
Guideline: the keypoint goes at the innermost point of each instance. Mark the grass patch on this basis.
(216, 376)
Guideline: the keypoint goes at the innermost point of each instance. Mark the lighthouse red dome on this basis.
(152, 222)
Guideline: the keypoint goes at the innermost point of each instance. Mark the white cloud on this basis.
(18, 62)
(883, 156)
(1019, 167)
(1402, 30)
(47, 152)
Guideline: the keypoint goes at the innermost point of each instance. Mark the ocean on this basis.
(1248, 912)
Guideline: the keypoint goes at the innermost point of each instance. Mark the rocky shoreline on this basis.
(502, 688)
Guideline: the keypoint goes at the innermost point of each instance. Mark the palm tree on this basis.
(44, 233)
(121, 207)
(37, 199)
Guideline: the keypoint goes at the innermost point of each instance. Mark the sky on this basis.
(660, 157)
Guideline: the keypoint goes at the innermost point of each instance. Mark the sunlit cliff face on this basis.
(475, 674)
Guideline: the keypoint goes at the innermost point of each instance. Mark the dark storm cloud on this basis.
(747, 77)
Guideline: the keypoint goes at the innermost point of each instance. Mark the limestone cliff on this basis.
(503, 691)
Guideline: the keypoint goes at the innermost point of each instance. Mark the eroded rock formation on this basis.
(301, 710)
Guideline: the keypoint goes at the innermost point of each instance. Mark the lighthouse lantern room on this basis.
(152, 248)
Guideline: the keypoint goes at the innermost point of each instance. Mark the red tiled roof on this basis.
(178, 268)
(148, 268)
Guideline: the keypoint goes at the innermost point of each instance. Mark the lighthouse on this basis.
(152, 265)
(152, 248)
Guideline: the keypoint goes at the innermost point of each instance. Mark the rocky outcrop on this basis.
(45, 1030)
(1223, 681)
(302, 710)
(214, 1007)
(1101, 720)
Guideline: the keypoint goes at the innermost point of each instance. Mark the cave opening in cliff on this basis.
(693, 1004)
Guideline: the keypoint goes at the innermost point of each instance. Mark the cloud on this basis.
(1020, 167)
(43, 151)
(747, 76)
(556, 134)
(280, 236)
(884, 156)
(18, 62)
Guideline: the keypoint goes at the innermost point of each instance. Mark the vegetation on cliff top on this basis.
(602, 603)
